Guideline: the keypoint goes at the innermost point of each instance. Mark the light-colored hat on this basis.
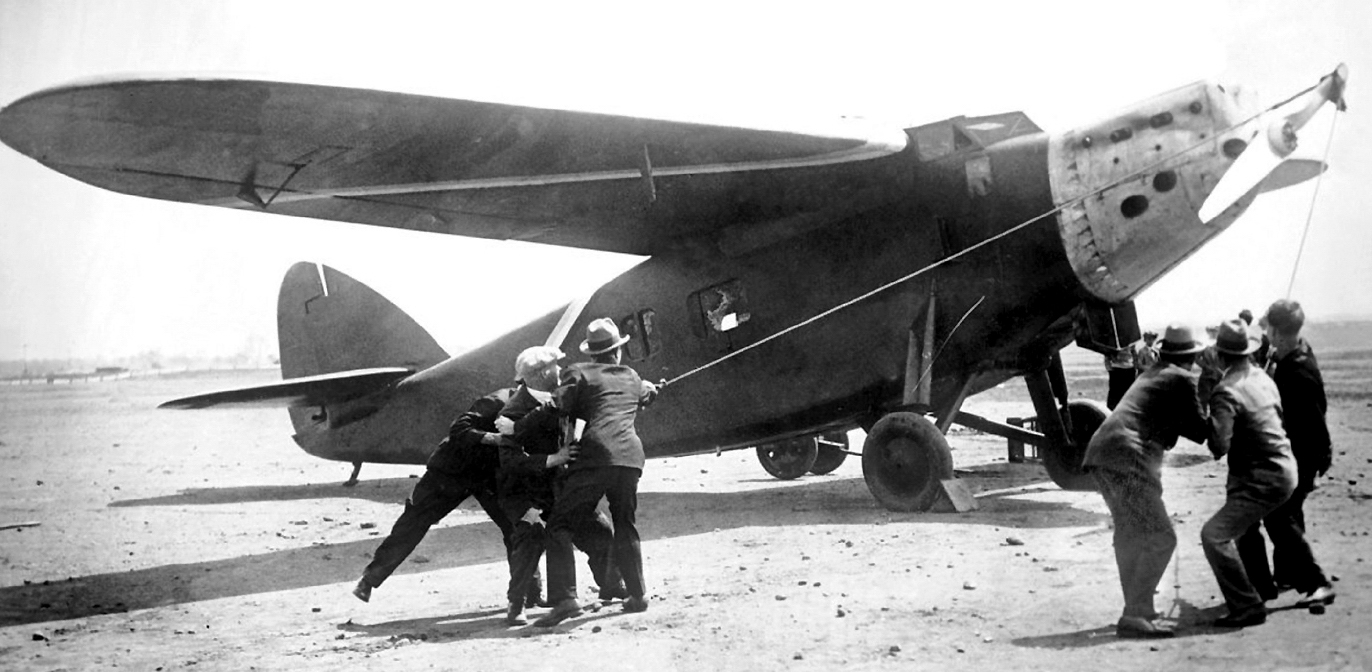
(535, 359)
(602, 336)
(1234, 339)
(1177, 340)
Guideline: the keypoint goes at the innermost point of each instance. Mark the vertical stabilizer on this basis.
(328, 322)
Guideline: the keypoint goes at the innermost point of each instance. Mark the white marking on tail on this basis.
(323, 284)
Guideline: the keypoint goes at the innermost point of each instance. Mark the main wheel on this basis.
(903, 460)
(789, 459)
(1064, 462)
(833, 450)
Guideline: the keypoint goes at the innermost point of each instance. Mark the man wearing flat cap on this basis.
(606, 396)
(1245, 424)
(531, 457)
(1125, 456)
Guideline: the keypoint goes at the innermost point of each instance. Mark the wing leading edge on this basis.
(451, 166)
(322, 390)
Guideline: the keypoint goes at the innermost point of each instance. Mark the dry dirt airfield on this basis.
(207, 540)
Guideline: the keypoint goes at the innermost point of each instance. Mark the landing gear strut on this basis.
(1068, 428)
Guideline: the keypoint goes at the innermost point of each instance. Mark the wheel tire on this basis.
(789, 460)
(1064, 462)
(831, 457)
(903, 460)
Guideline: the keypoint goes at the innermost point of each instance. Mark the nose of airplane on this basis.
(1131, 186)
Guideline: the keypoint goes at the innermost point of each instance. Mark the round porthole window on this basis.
(1165, 181)
(1233, 147)
(1134, 206)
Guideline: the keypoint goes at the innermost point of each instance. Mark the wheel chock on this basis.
(954, 497)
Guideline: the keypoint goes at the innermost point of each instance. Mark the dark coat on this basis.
(462, 455)
(607, 397)
(525, 480)
(1301, 387)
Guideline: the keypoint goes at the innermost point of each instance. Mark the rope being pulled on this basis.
(1004, 234)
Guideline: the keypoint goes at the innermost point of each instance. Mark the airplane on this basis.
(798, 283)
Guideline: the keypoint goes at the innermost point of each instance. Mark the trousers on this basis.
(594, 537)
(434, 496)
(1244, 506)
(578, 496)
(1293, 561)
(1144, 539)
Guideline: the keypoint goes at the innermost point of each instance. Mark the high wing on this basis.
(322, 390)
(459, 167)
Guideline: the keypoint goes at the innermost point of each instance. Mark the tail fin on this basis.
(327, 322)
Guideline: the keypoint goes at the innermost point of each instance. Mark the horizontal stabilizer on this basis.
(321, 390)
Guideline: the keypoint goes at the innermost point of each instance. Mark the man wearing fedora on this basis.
(530, 460)
(1246, 425)
(1125, 456)
(606, 396)
(1297, 376)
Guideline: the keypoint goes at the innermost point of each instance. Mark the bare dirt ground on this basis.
(207, 540)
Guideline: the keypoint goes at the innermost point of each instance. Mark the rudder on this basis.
(328, 322)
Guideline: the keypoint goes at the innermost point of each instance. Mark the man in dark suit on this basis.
(1246, 425)
(1297, 374)
(531, 457)
(606, 396)
(464, 466)
(1125, 456)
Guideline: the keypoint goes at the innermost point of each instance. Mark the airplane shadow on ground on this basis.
(824, 500)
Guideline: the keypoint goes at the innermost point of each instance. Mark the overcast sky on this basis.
(86, 272)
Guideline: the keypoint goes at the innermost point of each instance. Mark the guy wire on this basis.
(1012, 230)
(1309, 215)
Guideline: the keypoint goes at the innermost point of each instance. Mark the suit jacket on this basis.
(1301, 387)
(462, 455)
(607, 397)
(1160, 406)
(1246, 424)
(525, 480)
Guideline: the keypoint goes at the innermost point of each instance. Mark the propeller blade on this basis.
(1255, 164)
(1244, 175)
(1291, 172)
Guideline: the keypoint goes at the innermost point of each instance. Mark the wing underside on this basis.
(450, 166)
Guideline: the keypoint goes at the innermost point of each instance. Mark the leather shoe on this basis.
(562, 611)
(636, 604)
(515, 614)
(1135, 627)
(1244, 618)
(363, 590)
(1321, 595)
(614, 593)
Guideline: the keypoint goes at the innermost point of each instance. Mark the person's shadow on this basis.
(1191, 621)
(480, 624)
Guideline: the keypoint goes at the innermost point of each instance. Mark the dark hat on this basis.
(1234, 339)
(602, 336)
(1177, 340)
